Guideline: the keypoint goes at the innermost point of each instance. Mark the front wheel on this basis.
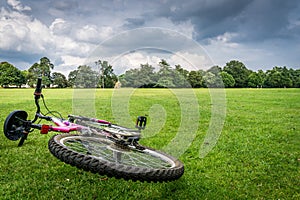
(103, 156)
(14, 125)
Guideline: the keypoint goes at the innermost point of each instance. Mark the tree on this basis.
(72, 78)
(41, 69)
(144, 77)
(213, 81)
(278, 77)
(170, 77)
(295, 77)
(59, 80)
(165, 74)
(83, 77)
(107, 78)
(228, 80)
(212, 77)
(209, 79)
(127, 79)
(215, 70)
(238, 71)
(10, 75)
(181, 77)
(256, 79)
(195, 78)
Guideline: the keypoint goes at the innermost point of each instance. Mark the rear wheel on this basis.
(14, 125)
(103, 156)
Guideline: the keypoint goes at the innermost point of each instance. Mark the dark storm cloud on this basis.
(254, 20)
(23, 60)
(210, 18)
(228, 29)
(267, 19)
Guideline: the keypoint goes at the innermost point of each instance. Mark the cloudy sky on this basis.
(194, 33)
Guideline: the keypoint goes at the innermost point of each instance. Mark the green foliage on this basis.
(172, 78)
(10, 75)
(256, 79)
(59, 80)
(278, 77)
(181, 77)
(295, 77)
(233, 74)
(107, 78)
(239, 72)
(41, 69)
(195, 78)
(165, 75)
(141, 77)
(227, 79)
(213, 78)
(84, 77)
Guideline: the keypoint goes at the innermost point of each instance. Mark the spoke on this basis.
(117, 156)
(136, 160)
(134, 163)
(102, 148)
(148, 160)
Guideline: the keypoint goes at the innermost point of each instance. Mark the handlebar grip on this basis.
(38, 88)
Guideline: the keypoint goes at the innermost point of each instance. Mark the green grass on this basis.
(257, 155)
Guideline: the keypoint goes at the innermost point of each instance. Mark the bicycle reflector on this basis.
(45, 129)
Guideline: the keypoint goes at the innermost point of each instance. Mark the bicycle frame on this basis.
(66, 126)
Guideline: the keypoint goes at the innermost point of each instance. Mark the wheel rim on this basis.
(108, 151)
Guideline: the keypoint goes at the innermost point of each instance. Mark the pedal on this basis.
(141, 122)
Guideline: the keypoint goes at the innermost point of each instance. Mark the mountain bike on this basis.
(95, 145)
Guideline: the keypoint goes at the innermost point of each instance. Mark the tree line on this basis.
(83, 77)
(233, 75)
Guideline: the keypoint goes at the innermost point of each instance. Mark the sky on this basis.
(196, 34)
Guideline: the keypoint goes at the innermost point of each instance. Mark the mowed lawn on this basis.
(257, 155)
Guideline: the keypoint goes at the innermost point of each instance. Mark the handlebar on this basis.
(37, 95)
(38, 88)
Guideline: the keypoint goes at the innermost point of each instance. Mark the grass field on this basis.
(257, 155)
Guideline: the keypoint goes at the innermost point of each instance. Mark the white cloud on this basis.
(225, 40)
(60, 27)
(26, 35)
(187, 60)
(93, 34)
(16, 5)
(134, 60)
(20, 32)
(191, 61)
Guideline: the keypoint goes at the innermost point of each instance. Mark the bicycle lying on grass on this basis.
(100, 147)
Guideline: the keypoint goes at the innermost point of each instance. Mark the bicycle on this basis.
(99, 147)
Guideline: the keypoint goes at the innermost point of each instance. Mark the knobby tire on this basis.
(97, 164)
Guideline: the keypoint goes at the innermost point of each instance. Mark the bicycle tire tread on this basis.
(94, 165)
